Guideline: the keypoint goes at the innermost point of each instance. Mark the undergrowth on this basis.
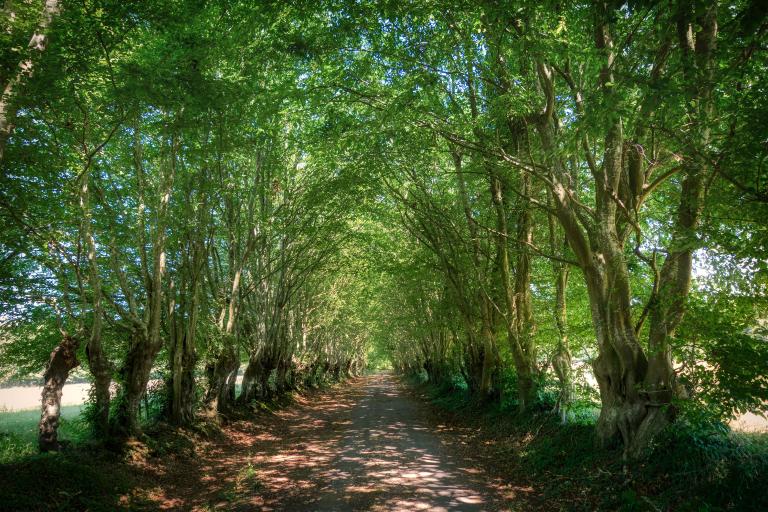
(67, 481)
(691, 467)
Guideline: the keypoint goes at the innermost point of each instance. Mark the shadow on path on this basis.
(362, 445)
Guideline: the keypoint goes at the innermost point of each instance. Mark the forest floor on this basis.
(363, 445)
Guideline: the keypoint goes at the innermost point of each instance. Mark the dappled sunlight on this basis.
(363, 446)
(366, 449)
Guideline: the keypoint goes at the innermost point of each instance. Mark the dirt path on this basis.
(389, 459)
(361, 446)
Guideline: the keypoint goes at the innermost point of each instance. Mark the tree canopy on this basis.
(557, 205)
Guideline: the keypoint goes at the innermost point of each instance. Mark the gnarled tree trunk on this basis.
(182, 384)
(221, 379)
(98, 364)
(134, 374)
(517, 296)
(183, 336)
(63, 360)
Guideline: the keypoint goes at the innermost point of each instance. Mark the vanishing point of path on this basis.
(364, 445)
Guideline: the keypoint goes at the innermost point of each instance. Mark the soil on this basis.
(363, 445)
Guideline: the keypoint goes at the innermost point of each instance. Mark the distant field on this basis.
(24, 398)
(750, 422)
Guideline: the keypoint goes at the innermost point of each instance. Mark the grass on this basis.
(83, 476)
(18, 431)
(78, 478)
(246, 484)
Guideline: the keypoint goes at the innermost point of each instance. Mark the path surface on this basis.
(389, 459)
(361, 446)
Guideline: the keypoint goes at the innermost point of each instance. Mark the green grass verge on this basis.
(81, 477)
(18, 431)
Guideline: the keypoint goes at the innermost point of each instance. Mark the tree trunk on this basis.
(473, 368)
(282, 376)
(621, 365)
(102, 379)
(224, 373)
(562, 361)
(146, 336)
(63, 359)
(485, 354)
(98, 364)
(182, 356)
(517, 299)
(182, 385)
(183, 322)
(490, 357)
(251, 378)
(221, 392)
(135, 377)
(524, 325)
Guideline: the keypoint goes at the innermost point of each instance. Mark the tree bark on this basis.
(135, 377)
(183, 387)
(562, 361)
(222, 379)
(517, 297)
(63, 359)
(482, 344)
(221, 391)
(183, 322)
